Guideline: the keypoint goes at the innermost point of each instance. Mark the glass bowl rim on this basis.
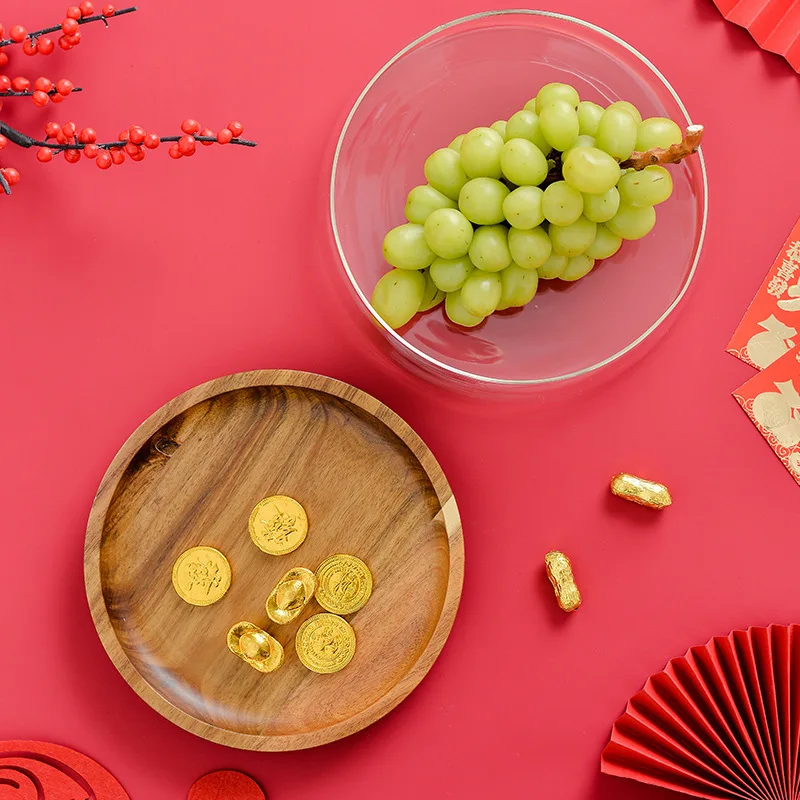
(462, 373)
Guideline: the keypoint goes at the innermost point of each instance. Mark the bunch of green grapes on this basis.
(540, 196)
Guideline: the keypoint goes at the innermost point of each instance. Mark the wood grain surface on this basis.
(191, 474)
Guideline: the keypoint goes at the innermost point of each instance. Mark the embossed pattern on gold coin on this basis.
(344, 584)
(278, 525)
(325, 643)
(201, 576)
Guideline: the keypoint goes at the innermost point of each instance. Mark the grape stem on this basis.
(673, 154)
(83, 21)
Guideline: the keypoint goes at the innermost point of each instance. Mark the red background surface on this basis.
(122, 289)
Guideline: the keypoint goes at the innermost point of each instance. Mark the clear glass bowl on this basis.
(472, 72)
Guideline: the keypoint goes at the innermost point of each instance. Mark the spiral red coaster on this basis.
(226, 784)
(36, 770)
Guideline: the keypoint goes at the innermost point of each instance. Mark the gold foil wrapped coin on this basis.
(325, 643)
(344, 584)
(278, 525)
(641, 491)
(559, 570)
(201, 576)
(290, 595)
(255, 647)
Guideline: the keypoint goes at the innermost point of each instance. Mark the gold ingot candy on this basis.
(559, 570)
(255, 647)
(344, 584)
(325, 643)
(278, 525)
(201, 576)
(290, 595)
(641, 491)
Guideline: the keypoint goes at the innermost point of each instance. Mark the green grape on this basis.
(398, 296)
(590, 170)
(657, 132)
(432, 295)
(450, 274)
(529, 249)
(553, 267)
(523, 207)
(589, 114)
(500, 127)
(582, 141)
(559, 123)
(405, 247)
(424, 199)
(481, 293)
(646, 187)
(523, 162)
(525, 125)
(601, 207)
(481, 200)
(519, 286)
(616, 133)
(605, 244)
(577, 267)
(456, 312)
(629, 107)
(552, 92)
(632, 222)
(456, 143)
(571, 240)
(489, 249)
(561, 204)
(480, 153)
(444, 172)
(448, 233)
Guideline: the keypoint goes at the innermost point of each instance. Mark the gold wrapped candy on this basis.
(255, 647)
(290, 595)
(559, 570)
(641, 491)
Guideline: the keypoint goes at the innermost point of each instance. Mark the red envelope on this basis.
(772, 401)
(771, 324)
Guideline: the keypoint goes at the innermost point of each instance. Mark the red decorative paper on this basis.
(771, 324)
(723, 721)
(774, 24)
(226, 784)
(43, 771)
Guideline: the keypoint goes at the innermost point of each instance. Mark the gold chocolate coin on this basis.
(290, 595)
(255, 647)
(201, 576)
(325, 643)
(278, 525)
(344, 584)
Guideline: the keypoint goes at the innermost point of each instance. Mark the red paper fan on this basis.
(723, 721)
(774, 24)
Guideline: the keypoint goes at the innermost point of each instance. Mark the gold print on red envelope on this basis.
(772, 401)
(770, 325)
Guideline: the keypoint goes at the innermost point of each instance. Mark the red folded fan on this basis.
(723, 721)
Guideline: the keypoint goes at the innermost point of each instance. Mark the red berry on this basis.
(46, 46)
(3, 142)
(236, 128)
(44, 154)
(61, 138)
(87, 135)
(40, 99)
(136, 134)
(5, 83)
(124, 136)
(103, 159)
(2, 31)
(224, 136)
(208, 133)
(17, 33)
(131, 149)
(63, 43)
(30, 48)
(52, 129)
(69, 129)
(73, 12)
(72, 156)
(43, 84)
(190, 126)
(187, 145)
(11, 175)
(174, 151)
(87, 8)
(138, 155)
(151, 141)
(91, 150)
(20, 84)
(117, 155)
(56, 98)
(64, 87)
(70, 25)
(3, 59)
(108, 10)
(74, 38)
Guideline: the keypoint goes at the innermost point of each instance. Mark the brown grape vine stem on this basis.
(673, 154)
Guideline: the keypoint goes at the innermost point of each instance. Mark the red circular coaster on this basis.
(227, 784)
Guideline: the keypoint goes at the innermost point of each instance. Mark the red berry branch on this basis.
(67, 139)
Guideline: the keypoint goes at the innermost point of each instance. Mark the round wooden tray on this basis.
(191, 474)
